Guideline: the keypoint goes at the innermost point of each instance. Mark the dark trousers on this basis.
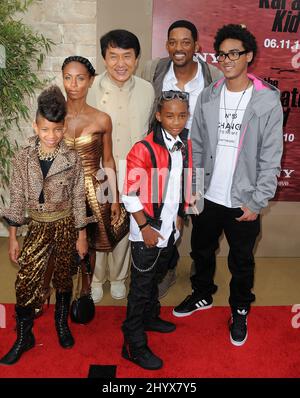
(173, 258)
(241, 237)
(149, 265)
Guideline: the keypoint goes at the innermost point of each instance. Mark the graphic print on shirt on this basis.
(231, 113)
(232, 109)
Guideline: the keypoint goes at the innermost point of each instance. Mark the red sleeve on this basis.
(137, 163)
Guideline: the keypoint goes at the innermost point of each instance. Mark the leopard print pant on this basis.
(55, 239)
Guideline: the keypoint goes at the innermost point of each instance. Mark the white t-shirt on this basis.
(232, 109)
(193, 87)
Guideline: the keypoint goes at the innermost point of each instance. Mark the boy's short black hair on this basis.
(170, 95)
(52, 105)
(120, 38)
(237, 32)
(182, 23)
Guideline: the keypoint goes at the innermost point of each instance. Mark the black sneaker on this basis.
(142, 357)
(159, 325)
(191, 304)
(238, 326)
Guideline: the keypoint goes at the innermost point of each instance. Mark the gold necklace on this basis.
(49, 156)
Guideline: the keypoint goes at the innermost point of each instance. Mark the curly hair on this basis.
(237, 32)
(52, 105)
(81, 60)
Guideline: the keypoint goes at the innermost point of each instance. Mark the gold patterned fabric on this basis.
(55, 239)
(90, 150)
(48, 216)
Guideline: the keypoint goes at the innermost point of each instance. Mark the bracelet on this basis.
(143, 225)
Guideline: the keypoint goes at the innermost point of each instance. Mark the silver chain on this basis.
(147, 269)
(236, 109)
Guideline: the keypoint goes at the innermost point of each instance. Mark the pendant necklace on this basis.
(234, 114)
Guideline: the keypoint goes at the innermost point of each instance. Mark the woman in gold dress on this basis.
(88, 130)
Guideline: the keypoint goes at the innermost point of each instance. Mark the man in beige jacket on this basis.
(128, 101)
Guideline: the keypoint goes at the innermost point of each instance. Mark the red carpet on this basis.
(199, 348)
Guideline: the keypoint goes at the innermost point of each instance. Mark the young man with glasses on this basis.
(240, 151)
(183, 70)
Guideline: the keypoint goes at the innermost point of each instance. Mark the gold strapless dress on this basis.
(90, 149)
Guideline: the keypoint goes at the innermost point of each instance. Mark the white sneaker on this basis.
(97, 292)
(118, 290)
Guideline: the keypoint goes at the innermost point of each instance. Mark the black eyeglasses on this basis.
(232, 55)
(172, 94)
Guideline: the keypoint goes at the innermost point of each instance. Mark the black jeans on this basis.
(241, 237)
(149, 265)
(173, 258)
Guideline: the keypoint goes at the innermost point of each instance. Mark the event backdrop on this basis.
(276, 27)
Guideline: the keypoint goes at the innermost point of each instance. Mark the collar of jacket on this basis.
(159, 139)
(165, 63)
(107, 83)
(263, 98)
(63, 161)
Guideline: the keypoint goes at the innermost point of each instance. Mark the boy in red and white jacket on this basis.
(156, 189)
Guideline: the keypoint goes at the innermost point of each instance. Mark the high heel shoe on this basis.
(46, 297)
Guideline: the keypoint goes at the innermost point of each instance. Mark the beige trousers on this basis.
(113, 266)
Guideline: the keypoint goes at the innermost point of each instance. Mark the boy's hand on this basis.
(150, 236)
(13, 250)
(248, 215)
(192, 204)
(115, 213)
(82, 246)
(179, 223)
